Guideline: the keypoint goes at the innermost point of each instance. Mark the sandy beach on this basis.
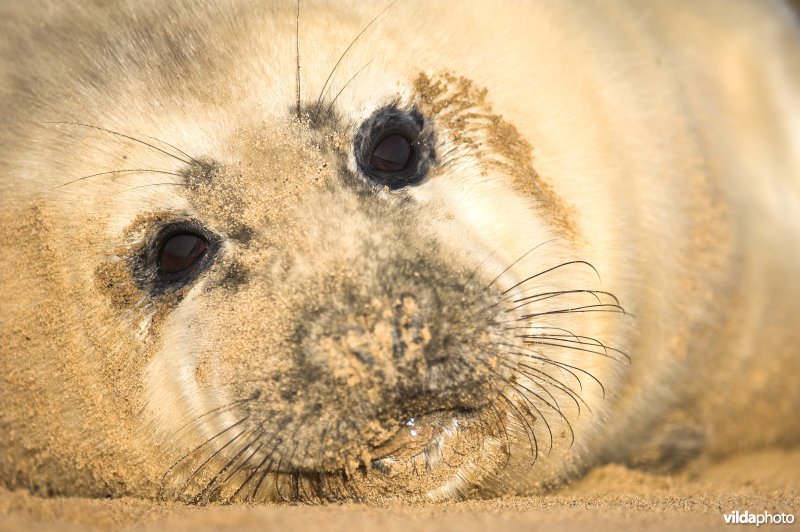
(609, 498)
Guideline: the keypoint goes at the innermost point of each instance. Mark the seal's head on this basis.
(364, 292)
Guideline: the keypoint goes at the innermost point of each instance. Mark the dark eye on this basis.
(176, 256)
(391, 154)
(394, 147)
(180, 252)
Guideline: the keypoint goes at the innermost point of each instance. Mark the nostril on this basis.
(364, 357)
(437, 360)
(438, 353)
(447, 341)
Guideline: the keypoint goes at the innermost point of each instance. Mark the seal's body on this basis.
(259, 252)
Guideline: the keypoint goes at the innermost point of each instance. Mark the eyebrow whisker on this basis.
(152, 185)
(123, 135)
(341, 57)
(123, 171)
(330, 105)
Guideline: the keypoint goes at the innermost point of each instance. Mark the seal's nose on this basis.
(380, 340)
(400, 330)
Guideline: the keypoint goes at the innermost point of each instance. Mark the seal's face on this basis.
(372, 293)
(320, 314)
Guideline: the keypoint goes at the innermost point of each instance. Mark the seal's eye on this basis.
(391, 154)
(394, 147)
(176, 256)
(180, 252)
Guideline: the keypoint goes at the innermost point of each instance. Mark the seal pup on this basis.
(254, 252)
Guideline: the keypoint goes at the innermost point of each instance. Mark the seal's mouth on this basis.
(421, 437)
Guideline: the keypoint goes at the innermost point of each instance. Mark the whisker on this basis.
(211, 484)
(267, 457)
(117, 172)
(341, 57)
(266, 472)
(151, 185)
(532, 438)
(532, 441)
(123, 135)
(520, 292)
(503, 429)
(562, 365)
(542, 296)
(556, 408)
(253, 473)
(518, 260)
(244, 463)
(605, 307)
(494, 409)
(291, 456)
(572, 394)
(319, 490)
(479, 266)
(217, 409)
(330, 105)
(297, 51)
(207, 460)
(193, 159)
(542, 327)
(526, 399)
(190, 453)
(535, 380)
(549, 295)
(562, 265)
(572, 347)
(560, 338)
(276, 478)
